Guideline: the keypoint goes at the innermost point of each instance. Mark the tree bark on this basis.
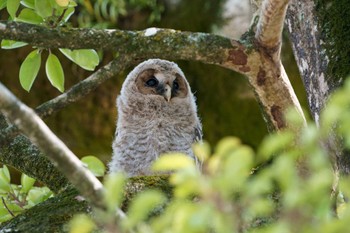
(320, 40)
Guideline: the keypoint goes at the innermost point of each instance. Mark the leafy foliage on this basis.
(51, 13)
(286, 186)
(17, 198)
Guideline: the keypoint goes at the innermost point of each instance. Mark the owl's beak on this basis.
(167, 92)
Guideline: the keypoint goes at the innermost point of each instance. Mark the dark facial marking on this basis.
(146, 82)
(179, 87)
(152, 82)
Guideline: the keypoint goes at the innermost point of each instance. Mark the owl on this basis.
(157, 114)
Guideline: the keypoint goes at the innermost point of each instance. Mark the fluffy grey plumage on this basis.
(156, 114)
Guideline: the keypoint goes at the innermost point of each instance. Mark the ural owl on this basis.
(156, 114)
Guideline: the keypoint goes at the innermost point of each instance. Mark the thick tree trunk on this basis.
(320, 36)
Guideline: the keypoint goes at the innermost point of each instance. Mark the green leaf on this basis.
(86, 58)
(11, 44)
(226, 145)
(54, 72)
(29, 69)
(72, 3)
(94, 165)
(4, 214)
(27, 183)
(29, 16)
(202, 150)
(62, 3)
(114, 185)
(69, 12)
(37, 195)
(43, 8)
(142, 205)
(28, 3)
(5, 173)
(12, 7)
(81, 223)
(5, 179)
(273, 144)
(2, 4)
(173, 161)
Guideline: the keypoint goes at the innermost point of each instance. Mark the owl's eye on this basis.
(152, 82)
(176, 85)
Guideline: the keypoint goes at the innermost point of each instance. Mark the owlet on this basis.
(157, 114)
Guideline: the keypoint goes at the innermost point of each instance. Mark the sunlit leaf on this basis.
(72, 3)
(12, 7)
(86, 58)
(29, 16)
(37, 195)
(54, 72)
(201, 150)
(5, 179)
(69, 12)
(172, 161)
(26, 182)
(143, 204)
(2, 4)
(94, 165)
(274, 143)
(28, 3)
(114, 185)
(29, 69)
(81, 223)
(11, 44)
(4, 214)
(226, 145)
(62, 3)
(6, 173)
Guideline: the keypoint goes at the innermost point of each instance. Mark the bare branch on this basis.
(36, 130)
(208, 48)
(270, 26)
(84, 87)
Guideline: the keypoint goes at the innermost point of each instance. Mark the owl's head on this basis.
(157, 78)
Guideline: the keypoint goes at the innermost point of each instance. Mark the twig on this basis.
(8, 210)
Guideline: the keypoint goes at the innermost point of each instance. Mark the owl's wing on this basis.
(198, 134)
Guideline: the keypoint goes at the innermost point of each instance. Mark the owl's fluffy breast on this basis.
(149, 124)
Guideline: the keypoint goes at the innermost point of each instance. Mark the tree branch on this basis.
(270, 26)
(246, 59)
(151, 42)
(36, 130)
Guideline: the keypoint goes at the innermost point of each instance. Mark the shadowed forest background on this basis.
(226, 103)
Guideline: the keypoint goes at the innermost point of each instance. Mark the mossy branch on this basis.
(272, 88)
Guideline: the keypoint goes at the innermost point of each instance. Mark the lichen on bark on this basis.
(334, 21)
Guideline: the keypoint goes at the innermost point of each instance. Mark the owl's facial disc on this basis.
(155, 83)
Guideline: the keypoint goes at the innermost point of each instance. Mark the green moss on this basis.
(137, 184)
(334, 22)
